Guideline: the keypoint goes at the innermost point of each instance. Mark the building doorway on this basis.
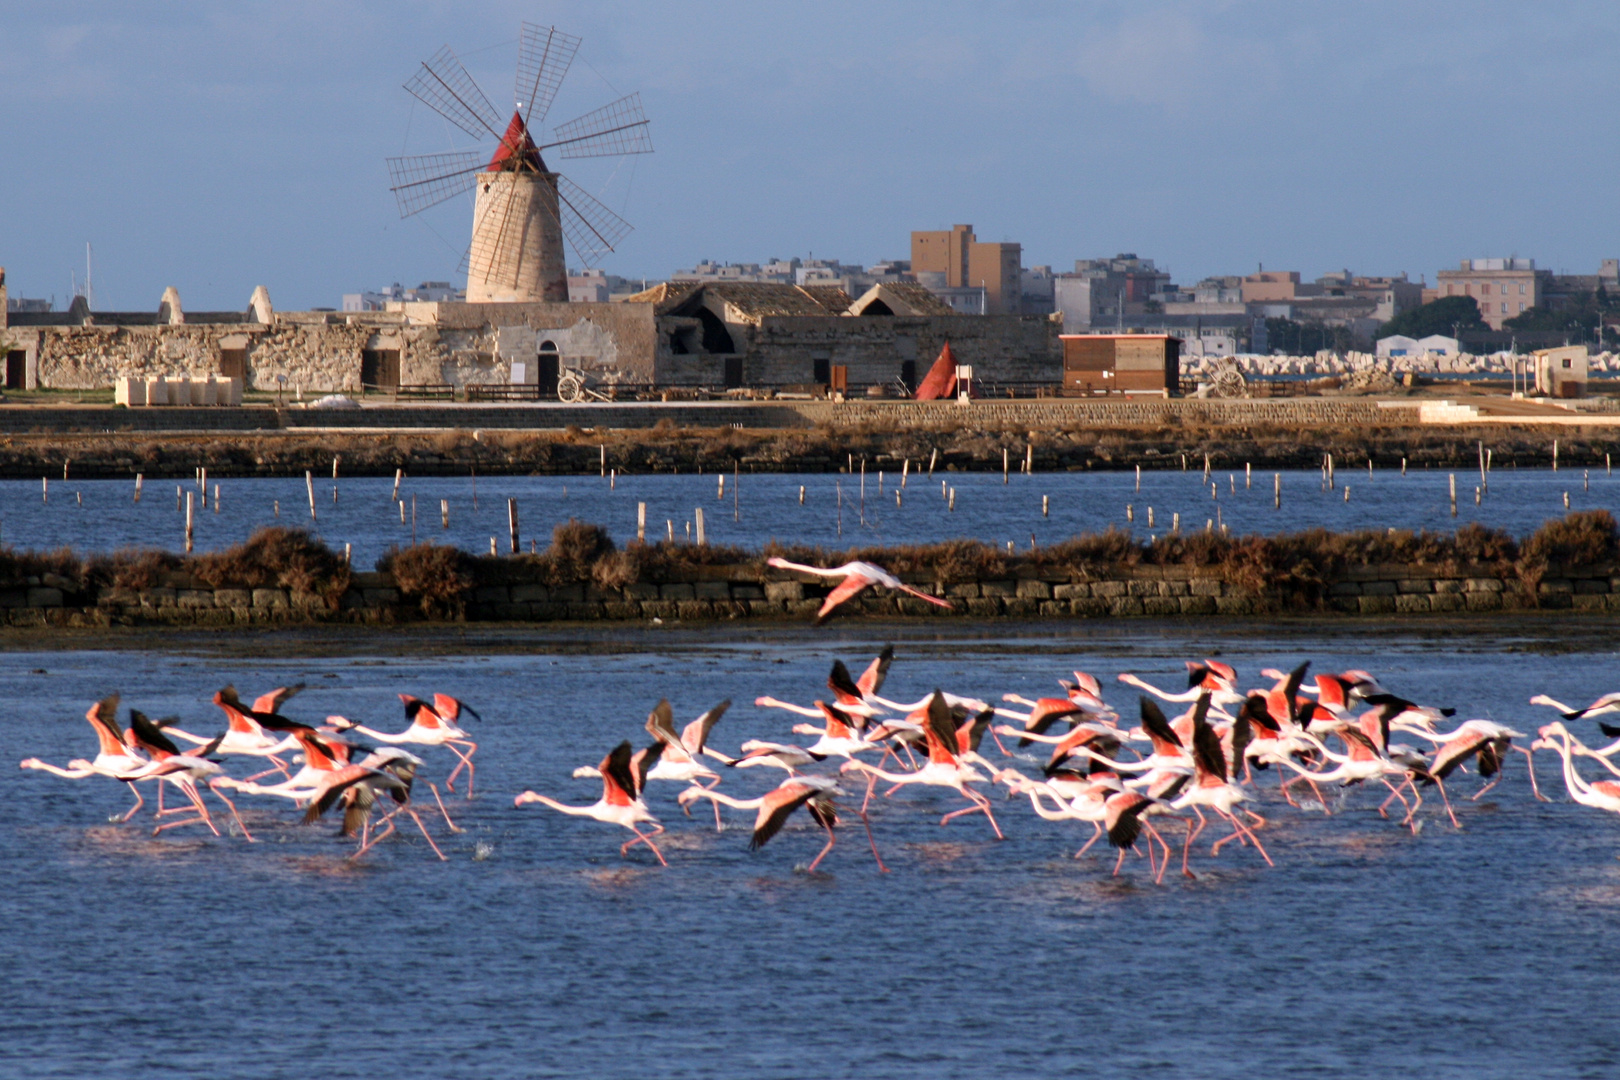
(908, 375)
(549, 369)
(16, 370)
(379, 369)
(734, 372)
(233, 364)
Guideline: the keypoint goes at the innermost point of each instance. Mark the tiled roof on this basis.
(753, 300)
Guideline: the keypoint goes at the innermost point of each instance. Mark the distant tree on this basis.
(1578, 315)
(1444, 316)
(1306, 338)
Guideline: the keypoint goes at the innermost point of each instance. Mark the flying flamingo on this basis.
(115, 759)
(1212, 789)
(431, 725)
(1116, 814)
(249, 728)
(814, 793)
(1603, 795)
(1485, 738)
(1608, 703)
(943, 769)
(402, 765)
(856, 576)
(619, 805)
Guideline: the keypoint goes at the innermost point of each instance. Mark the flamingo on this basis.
(402, 765)
(115, 759)
(1608, 703)
(1212, 789)
(1484, 738)
(814, 793)
(1603, 795)
(1112, 813)
(856, 576)
(620, 803)
(431, 725)
(246, 727)
(183, 770)
(943, 769)
(1211, 676)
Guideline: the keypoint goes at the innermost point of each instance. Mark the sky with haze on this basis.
(219, 146)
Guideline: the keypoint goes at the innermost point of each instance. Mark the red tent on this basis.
(941, 379)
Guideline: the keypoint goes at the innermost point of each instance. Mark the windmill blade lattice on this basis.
(619, 128)
(591, 228)
(429, 179)
(544, 56)
(444, 85)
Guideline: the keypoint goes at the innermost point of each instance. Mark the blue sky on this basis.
(218, 146)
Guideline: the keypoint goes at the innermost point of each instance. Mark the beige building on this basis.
(1503, 288)
(1271, 287)
(1561, 373)
(968, 263)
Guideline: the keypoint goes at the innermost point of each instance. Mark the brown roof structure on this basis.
(750, 300)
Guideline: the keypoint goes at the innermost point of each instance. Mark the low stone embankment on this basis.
(750, 591)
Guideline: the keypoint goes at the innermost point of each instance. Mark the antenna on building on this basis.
(89, 289)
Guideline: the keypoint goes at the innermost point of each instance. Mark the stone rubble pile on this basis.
(1351, 363)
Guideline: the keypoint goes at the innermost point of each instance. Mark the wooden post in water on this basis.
(720, 490)
(1276, 491)
(444, 513)
(512, 523)
(1139, 479)
(401, 505)
(1130, 512)
(189, 521)
(399, 474)
(897, 498)
(950, 503)
(138, 478)
(1403, 466)
(641, 523)
(493, 548)
(275, 505)
(1150, 517)
(933, 456)
(1347, 493)
(1482, 481)
(474, 474)
(1044, 507)
(65, 469)
(613, 479)
(801, 494)
(1555, 455)
(216, 498)
(1453, 494)
(1330, 471)
(1029, 459)
(1566, 500)
(309, 485)
(1586, 480)
(45, 490)
(202, 485)
(1003, 464)
(1479, 494)
(348, 554)
(702, 537)
(1248, 478)
(1206, 468)
(905, 470)
(602, 447)
(179, 500)
(1175, 522)
(669, 523)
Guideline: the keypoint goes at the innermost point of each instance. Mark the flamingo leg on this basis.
(276, 765)
(873, 841)
(997, 739)
(466, 760)
(1397, 794)
(1096, 834)
(1248, 832)
(201, 815)
(817, 860)
(1530, 763)
(369, 842)
(423, 828)
(442, 810)
(234, 814)
(1441, 784)
(1497, 779)
(1186, 849)
(139, 802)
(1164, 860)
(642, 838)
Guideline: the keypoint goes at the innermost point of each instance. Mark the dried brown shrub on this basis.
(133, 568)
(16, 567)
(274, 557)
(1584, 538)
(436, 577)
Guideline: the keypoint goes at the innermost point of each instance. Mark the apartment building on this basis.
(1503, 288)
(968, 263)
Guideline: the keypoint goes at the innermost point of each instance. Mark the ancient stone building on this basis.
(674, 335)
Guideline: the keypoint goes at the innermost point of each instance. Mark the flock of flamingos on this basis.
(1072, 756)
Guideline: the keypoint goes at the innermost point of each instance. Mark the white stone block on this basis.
(129, 392)
(229, 391)
(179, 391)
(157, 391)
(204, 391)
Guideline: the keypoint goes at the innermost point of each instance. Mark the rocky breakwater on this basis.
(284, 576)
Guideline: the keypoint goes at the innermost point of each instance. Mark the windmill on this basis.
(521, 210)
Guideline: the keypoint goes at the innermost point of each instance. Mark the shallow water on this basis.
(101, 515)
(538, 951)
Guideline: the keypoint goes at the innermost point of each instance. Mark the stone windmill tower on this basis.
(522, 211)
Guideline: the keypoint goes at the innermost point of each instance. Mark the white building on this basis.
(1401, 345)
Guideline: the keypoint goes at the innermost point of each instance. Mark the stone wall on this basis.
(746, 592)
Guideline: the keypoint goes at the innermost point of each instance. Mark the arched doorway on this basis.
(550, 363)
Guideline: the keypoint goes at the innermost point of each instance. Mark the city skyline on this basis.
(246, 149)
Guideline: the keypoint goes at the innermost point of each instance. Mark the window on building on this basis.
(1521, 288)
(1521, 307)
(1566, 361)
(1504, 309)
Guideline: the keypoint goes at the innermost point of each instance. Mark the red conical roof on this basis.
(940, 382)
(516, 146)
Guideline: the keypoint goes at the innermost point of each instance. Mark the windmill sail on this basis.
(429, 179)
(619, 128)
(591, 228)
(544, 56)
(444, 85)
